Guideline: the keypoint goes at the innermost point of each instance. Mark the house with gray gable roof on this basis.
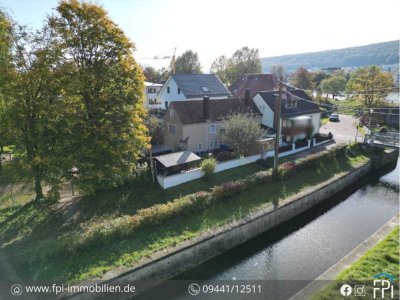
(181, 87)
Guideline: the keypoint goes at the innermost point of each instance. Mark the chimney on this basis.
(206, 107)
(247, 97)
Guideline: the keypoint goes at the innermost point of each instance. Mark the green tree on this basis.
(244, 61)
(239, 129)
(188, 63)
(155, 75)
(155, 129)
(150, 74)
(104, 87)
(36, 108)
(333, 85)
(317, 78)
(6, 38)
(371, 84)
(220, 67)
(302, 79)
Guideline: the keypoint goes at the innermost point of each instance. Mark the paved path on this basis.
(330, 275)
(342, 131)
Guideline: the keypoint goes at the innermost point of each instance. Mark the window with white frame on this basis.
(171, 129)
(291, 104)
(213, 129)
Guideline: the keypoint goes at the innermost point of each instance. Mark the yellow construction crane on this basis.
(172, 57)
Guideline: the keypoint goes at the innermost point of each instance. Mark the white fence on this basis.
(321, 143)
(174, 180)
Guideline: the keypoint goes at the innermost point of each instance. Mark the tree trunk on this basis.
(38, 185)
(1, 153)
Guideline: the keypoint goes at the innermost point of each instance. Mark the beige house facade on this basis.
(197, 125)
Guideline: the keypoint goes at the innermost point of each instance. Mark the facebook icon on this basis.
(345, 290)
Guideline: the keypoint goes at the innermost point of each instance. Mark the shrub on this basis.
(142, 171)
(208, 167)
(287, 169)
(382, 129)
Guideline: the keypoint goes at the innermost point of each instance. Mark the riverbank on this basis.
(175, 260)
(383, 258)
(360, 264)
(120, 252)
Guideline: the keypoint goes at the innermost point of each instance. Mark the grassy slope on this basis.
(384, 257)
(29, 235)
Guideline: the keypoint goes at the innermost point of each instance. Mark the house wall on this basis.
(172, 140)
(153, 96)
(267, 118)
(316, 121)
(165, 97)
(200, 134)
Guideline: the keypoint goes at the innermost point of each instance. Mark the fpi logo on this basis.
(381, 286)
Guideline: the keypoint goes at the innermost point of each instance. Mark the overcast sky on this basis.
(216, 27)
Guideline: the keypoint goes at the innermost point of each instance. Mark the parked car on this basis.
(334, 118)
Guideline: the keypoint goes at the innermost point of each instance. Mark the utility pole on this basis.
(277, 115)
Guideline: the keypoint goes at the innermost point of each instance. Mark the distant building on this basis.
(255, 83)
(331, 70)
(195, 125)
(181, 87)
(151, 91)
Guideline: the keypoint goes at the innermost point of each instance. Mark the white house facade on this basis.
(181, 87)
(299, 116)
(151, 91)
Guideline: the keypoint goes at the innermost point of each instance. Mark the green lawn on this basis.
(32, 235)
(384, 257)
(132, 197)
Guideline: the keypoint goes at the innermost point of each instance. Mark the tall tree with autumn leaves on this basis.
(104, 86)
(77, 100)
(6, 36)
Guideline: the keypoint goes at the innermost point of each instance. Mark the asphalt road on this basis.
(342, 131)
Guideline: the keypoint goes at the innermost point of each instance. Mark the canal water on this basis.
(301, 249)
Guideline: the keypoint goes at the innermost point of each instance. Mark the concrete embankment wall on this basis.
(169, 263)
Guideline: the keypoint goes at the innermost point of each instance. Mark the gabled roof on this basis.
(199, 85)
(177, 158)
(191, 112)
(255, 82)
(303, 107)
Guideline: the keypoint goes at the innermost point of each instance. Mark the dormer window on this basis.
(204, 89)
(291, 104)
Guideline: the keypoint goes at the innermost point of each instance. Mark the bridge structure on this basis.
(387, 139)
